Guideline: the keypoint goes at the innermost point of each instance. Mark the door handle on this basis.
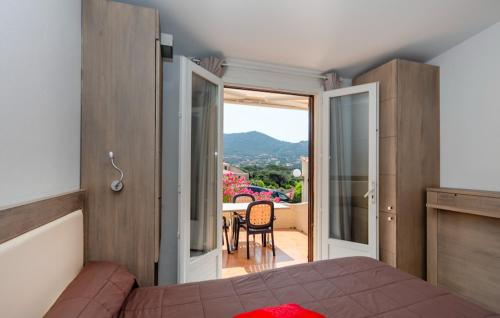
(369, 192)
(116, 185)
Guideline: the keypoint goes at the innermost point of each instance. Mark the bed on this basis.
(41, 268)
(347, 287)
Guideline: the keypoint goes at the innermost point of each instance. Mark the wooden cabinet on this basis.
(121, 96)
(408, 157)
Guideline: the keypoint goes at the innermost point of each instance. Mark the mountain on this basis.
(255, 148)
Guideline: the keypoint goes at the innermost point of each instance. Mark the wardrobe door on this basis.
(119, 112)
(408, 156)
(417, 157)
(386, 75)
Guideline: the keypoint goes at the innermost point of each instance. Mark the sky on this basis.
(283, 124)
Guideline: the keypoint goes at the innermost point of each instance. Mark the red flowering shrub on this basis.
(233, 185)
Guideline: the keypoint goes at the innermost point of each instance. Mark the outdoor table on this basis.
(242, 207)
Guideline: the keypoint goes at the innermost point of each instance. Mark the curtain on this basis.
(340, 174)
(331, 81)
(213, 64)
(203, 166)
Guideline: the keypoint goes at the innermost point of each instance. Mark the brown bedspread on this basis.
(342, 288)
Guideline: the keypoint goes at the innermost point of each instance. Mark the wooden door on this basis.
(119, 114)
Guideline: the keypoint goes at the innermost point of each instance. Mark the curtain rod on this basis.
(257, 68)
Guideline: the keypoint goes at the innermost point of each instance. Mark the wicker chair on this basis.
(243, 198)
(259, 220)
(238, 219)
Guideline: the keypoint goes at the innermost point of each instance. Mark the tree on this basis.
(297, 197)
(258, 183)
(271, 176)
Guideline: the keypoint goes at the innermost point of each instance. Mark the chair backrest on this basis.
(243, 198)
(260, 214)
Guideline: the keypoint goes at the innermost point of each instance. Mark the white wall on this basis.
(470, 112)
(40, 63)
(167, 267)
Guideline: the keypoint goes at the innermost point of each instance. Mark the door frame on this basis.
(313, 98)
(187, 68)
(324, 240)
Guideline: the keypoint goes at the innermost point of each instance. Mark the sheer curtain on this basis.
(340, 174)
(203, 166)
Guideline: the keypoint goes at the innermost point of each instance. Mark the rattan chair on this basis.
(260, 220)
(243, 198)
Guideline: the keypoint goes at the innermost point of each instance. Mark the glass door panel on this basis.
(204, 165)
(200, 173)
(349, 168)
(349, 192)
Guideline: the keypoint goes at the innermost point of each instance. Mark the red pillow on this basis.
(282, 311)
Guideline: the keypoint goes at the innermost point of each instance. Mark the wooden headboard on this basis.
(25, 217)
(463, 243)
(41, 252)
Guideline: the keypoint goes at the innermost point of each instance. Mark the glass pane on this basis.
(349, 168)
(205, 99)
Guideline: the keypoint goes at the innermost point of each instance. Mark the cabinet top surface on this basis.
(481, 193)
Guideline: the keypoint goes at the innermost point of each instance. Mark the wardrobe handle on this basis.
(390, 218)
(116, 185)
(389, 208)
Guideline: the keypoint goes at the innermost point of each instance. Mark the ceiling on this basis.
(265, 99)
(348, 36)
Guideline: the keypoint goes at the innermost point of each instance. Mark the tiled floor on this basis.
(291, 248)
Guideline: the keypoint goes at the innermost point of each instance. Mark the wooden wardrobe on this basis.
(408, 158)
(121, 112)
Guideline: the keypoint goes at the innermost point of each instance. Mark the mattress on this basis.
(342, 288)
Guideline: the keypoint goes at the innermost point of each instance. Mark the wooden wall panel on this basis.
(386, 75)
(388, 257)
(387, 155)
(432, 238)
(417, 157)
(119, 114)
(469, 257)
(388, 118)
(158, 129)
(387, 193)
(387, 226)
(463, 243)
(19, 219)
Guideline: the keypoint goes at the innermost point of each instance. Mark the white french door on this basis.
(349, 211)
(200, 174)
